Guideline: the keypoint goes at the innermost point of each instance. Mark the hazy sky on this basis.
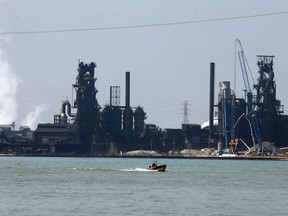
(168, 64)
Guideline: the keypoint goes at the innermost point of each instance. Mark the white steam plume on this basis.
(8, 90)
(32, 119)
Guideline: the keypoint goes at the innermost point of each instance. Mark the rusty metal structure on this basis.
(88, 109)
(76, 131)
(90, 128)
(270, 110)
(235, 115)
(83, 127)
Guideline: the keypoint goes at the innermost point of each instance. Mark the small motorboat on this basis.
(155, 167)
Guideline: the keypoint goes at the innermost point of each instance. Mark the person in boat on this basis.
(154, 164)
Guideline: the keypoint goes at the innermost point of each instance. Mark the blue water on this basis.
(122, 186)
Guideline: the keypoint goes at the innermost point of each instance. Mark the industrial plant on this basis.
(251, 125)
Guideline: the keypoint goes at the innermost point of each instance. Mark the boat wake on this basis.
(92, 169)
(105, 169)
(135, 170)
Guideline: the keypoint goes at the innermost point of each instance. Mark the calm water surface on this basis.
(122, 186)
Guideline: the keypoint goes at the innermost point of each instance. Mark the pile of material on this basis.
(142, 153)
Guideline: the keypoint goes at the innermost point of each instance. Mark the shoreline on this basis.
(241, 157)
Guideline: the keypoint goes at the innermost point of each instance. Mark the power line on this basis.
(140, 26)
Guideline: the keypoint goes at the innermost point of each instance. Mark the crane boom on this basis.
(243, 65)
(248, 92)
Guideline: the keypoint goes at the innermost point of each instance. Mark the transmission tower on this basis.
(186, 112)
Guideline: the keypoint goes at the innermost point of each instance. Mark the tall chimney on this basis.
(111, 95)
(127, 97)
(211, 105)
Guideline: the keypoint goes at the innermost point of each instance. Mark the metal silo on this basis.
(106, 120)
(139, 117)
(116, 121)
(128, 121)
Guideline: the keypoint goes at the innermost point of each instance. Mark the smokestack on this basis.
(127, 89)
(211, 105)
(110, 95)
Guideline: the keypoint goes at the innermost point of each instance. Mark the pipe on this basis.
(64, 104)
(211, 105)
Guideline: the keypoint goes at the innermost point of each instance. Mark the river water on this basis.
(122, 186)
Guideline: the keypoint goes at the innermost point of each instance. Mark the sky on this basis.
(169, 64)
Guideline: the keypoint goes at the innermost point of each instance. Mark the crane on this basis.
(249, 96)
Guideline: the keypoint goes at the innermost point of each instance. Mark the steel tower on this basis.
(88, 110)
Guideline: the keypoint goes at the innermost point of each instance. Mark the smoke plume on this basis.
(32, 119)
(8, 90)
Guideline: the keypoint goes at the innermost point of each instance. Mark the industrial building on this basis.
(83, 127)
(256, 120)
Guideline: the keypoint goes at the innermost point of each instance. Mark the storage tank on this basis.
(191, 129)
(106, 119)
(63, 118)
(128, 121)
(139, 117)
(116, 121)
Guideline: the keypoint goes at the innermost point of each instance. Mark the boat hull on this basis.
(160, 168)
